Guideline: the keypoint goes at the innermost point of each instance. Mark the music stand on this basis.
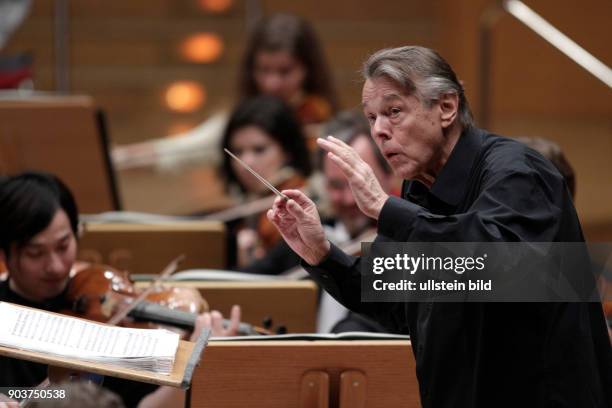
(63, 135)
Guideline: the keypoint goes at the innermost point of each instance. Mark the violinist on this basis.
(38, 244)
(352, 128)
(264, 133)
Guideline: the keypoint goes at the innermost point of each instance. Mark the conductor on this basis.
(461, 184)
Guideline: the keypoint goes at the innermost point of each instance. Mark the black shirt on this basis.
(21, 373)
(488, 354)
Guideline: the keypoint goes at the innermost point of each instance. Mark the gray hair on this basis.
(421, 72)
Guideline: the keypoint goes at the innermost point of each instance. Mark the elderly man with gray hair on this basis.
(462, 184)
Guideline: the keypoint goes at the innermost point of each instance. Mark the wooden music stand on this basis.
(188, 356)
(306, 374)
(178, 378)
(63, 135)
(146, 248)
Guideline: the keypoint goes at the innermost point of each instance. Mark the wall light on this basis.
(215, 6)
(185, 96)
(203, 48)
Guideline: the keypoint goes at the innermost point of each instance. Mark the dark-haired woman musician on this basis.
(264, 133)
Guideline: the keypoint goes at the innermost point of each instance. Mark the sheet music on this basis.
(35, 330)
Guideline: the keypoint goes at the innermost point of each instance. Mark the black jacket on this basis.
(481, 355)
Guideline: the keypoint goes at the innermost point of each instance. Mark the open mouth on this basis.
(389, 156)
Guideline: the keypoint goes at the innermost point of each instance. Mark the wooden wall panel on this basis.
(124, 55)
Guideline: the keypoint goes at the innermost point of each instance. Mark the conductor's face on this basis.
(40, 270)
(409, 134)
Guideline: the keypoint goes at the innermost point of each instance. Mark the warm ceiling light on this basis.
(203, 48)
(185, 96)
(215, 6)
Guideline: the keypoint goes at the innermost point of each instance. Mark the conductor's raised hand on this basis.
(297, 219)
(367, 191)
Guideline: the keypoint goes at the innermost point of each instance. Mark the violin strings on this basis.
(168, 270)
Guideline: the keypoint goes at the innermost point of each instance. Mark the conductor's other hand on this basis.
(369, 194)
(297, 219)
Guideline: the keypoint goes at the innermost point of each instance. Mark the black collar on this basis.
(53, 305)
(451, 184)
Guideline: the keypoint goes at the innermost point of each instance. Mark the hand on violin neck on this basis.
(215, 322)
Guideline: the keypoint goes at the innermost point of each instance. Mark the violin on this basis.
(98, 292)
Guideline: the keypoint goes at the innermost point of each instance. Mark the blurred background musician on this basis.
(283, 58)
(264, 133)
(342, 217)
(347, 223)
(553, 152)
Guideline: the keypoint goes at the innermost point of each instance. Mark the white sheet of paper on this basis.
(35, 330)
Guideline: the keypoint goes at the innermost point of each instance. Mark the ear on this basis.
(449, 107)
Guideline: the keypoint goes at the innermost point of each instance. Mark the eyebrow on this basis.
(39, 244)
(391, 96)
(386, 98)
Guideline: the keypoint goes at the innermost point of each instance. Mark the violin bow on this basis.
(168, 270)
(121, 314)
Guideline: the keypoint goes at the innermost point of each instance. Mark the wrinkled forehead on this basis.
(380, 90)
